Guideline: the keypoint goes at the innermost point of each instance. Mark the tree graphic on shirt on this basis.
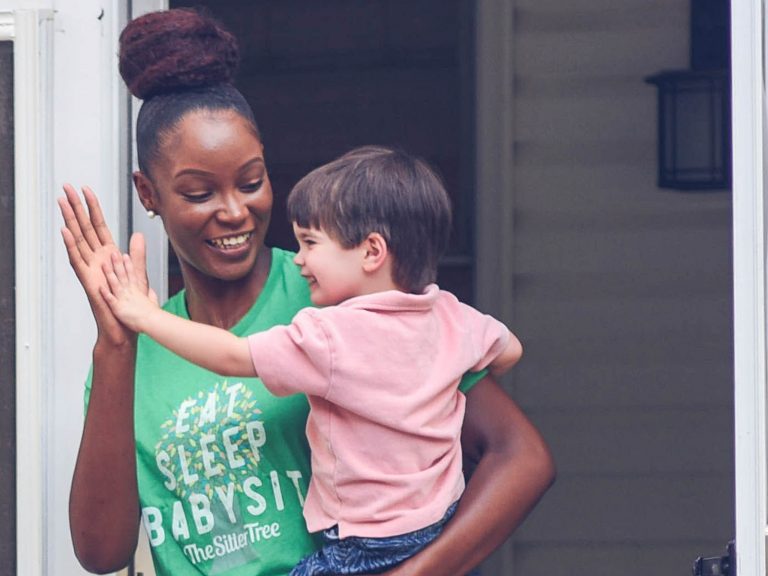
(213, 415)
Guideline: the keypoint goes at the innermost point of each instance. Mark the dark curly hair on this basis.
(178, 61)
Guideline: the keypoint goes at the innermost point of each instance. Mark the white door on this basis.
(26, 35)
(749, 176)
(66, 101)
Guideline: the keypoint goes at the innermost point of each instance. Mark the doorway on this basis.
(324, 77)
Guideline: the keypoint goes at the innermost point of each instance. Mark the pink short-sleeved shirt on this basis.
(381, 373)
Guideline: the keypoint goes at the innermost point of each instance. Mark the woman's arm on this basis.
(103, 502)
(512, 470)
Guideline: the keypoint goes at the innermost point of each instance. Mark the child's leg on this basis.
(355, 555)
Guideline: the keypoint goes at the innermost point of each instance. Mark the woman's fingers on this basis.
(87, 238)
(90, 247)
(75, 258)
(87, 226)
(97, 217)
(82, 219)
(68, 205)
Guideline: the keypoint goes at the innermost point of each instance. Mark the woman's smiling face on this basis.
(211, 188)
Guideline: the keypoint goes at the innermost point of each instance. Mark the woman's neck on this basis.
(222, 303)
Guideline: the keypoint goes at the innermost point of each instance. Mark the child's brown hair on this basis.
(384, 190)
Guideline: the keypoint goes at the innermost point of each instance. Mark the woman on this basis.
(219, 491)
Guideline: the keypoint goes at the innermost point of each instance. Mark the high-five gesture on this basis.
(90, 246)
(127, 295)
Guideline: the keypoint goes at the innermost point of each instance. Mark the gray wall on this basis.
(622, 297)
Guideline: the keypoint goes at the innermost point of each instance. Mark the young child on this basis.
(380, 362)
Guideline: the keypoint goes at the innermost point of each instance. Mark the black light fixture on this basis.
(694, 106)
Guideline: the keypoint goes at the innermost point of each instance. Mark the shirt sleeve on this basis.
(489, 336)
(294, 359)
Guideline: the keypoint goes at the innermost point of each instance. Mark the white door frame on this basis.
(66, 122)
(749, 242)
(154, 234)
(31, 34)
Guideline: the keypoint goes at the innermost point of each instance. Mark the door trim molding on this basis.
(153, 231)
(749, 242)
(31, 32)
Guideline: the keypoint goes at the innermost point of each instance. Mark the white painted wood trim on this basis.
(7, 26)
(749, 283)
(32, 34)
(153, 231)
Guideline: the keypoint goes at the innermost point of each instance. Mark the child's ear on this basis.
(376, 252)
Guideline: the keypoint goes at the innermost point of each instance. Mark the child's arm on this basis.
(212, 348)
(508, 357)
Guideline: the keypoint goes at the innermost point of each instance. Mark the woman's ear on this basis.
(146, 191)
(376, 252)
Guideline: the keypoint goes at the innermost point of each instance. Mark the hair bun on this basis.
(175, 49)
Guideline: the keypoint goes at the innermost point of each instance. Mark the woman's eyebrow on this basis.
(251, 162)
(201, 172)
(193, 172)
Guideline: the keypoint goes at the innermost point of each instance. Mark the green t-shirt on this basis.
(222, 465)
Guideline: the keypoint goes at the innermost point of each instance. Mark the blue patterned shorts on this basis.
(357, 555)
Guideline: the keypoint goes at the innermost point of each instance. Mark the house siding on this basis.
(622, 296)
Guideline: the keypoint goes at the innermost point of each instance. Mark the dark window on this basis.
(7, 321)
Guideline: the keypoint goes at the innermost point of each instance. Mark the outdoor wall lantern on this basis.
(694, 106)
(694, 129)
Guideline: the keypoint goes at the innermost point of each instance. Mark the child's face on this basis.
(334, 273)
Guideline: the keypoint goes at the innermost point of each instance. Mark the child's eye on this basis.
(252, 186)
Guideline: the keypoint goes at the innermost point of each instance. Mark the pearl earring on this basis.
(151, 214)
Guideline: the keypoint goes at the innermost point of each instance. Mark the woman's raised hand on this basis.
(90, 246)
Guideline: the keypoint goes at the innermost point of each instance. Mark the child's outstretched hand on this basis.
(127, 295)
